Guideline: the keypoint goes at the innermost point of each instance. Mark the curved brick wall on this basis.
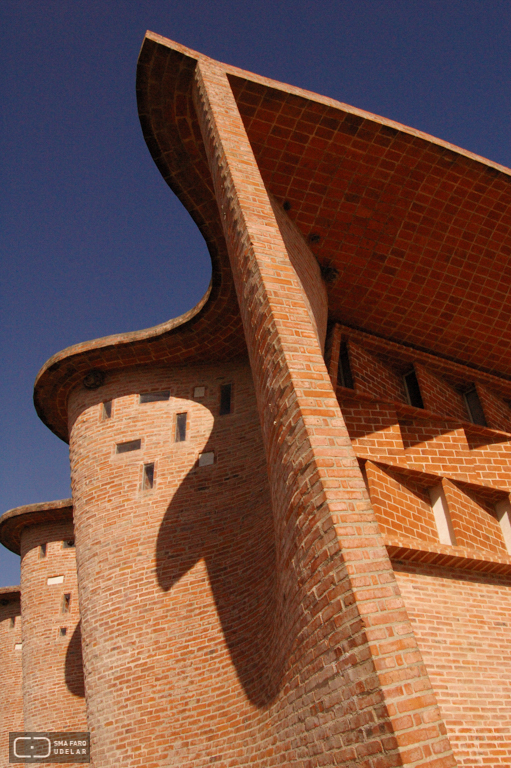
(11, 701)
(53, 693)
(176, 582)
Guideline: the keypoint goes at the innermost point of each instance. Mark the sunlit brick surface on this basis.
(463, 628)
(11, 700)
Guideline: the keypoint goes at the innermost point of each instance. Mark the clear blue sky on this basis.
(94, 242)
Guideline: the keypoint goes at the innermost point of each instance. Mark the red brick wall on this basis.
(473, 519)
(461, 621)
(373, 377)
(496, 410)
(176, 583)
(11, 701)
(401, 504)
(342, 632)
(439, 396)
(307, 269)
(53, 694)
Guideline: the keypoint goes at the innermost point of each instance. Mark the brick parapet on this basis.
(328, 543)
(11, 700)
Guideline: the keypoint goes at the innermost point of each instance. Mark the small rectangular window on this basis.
(68, 544)
(54, 580)
(503, 510)
(225, 399)
(181, 427)
(66, 603)
(413, 391)
(206, 459)
(131, 445)
(154, 397)
(199, 392)
(148, 477)
(42, 550)
(107, 410)
(344, 375)
(474, 408)
(63, 631)
(13, 621)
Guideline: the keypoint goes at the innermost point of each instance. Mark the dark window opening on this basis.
(474, 408)
(225, 399)
(63, 631)
(181, 427)
(148, 479)
(413, 390)
(154, 397)
(69, 544)
(107, 409)
(131, 445)
(42, 550)
(66, 602)
(344, 375)
(13, 621)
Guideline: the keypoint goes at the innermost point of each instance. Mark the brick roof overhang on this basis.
(13, 522)
(414, 230)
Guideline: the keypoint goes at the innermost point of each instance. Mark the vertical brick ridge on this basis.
(355, 688)
(11, 702)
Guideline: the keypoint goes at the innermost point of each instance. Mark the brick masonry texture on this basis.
(11, 701)
(274, 588)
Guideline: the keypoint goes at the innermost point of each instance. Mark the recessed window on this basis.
(225, 399)
(131, 445)
(68, 544)
(148, 477)
(13, 622)
(199, 392)
(206, 459)
(344, 375)
(66, 603)
(503, 510)
(413, 391)
(107, 410)
(63, 631)
(442, 517)
(154, 397)
(474, 408)
(181, 427)
(42, 550)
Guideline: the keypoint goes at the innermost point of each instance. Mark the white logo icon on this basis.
(31, 747)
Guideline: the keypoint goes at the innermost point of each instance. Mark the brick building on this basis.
(290, 506)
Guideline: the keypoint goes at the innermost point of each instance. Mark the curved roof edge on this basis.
(14, 521)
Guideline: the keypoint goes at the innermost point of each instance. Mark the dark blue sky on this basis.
(94, 242)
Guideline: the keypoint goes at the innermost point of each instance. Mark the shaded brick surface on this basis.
(11, 700)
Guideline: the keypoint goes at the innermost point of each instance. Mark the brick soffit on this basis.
(416, 229)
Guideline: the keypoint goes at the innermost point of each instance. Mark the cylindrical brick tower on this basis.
(11, 701)
(175, 557)
(53, 692)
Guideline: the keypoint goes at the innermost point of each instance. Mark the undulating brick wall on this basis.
(401, 504)
(53, 690)
(461, 621)
(11, 700)
(372, 377)
(177, 582)
(439, 396)
(341, 631)
(473, 519)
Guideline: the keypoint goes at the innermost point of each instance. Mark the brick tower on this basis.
(291, 504)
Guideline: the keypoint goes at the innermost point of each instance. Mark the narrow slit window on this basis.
(225, 399)
(344, 375)
(154, 397)
(42, 550)
(181, 427)
(148, 477)
(474, 408)
(66, 602)
(413, 391)
(107, 410)
(131, 445)
(503, 510)
(13, 622)
(442, 516)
